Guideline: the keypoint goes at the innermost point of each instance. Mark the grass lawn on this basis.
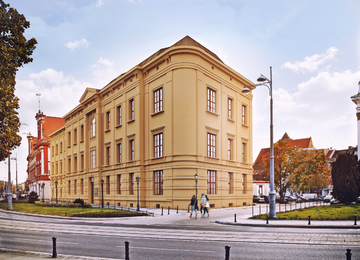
(331, 212)
(66, 211)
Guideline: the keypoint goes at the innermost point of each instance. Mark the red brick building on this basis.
(38, 168)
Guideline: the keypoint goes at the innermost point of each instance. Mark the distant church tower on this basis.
(356, 100)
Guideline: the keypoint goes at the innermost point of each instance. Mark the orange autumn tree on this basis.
(311, 170)
(283, 166)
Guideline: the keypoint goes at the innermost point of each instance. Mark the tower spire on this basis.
(38, 95)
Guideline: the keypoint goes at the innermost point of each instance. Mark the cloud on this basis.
(76, 44)
(99, 3)
(104, 72)
(311, 63)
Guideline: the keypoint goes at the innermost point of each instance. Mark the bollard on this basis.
(162, 209)
(227, 252)
(127, 250)
(259, 209)
(235, 218)
(355, 220)
(169, 210)
(252, 210)
(177, 209)
(309, 220)
(267, 218)
(348, 254)
(54, 255)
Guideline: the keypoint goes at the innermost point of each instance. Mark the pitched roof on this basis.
(52, 124)
(186, 41)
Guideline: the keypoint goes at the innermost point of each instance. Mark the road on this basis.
(180, 238)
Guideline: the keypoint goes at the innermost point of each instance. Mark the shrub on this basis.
(79, 201)
(33, 196)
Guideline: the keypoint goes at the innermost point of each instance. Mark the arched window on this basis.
(92, 128)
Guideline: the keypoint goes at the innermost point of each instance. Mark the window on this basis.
(132, 109)
(132, 150)
(57, 168)
(211, 100)
(230, 108)
(75, 182)
(69, 187)
(92, 159)
(92, 128)
(243, 152)
(158, 100)
(75, 135)
(61, 147)
(118, 183)
(69, 138)
(52, 150)
(211, 182)
(244, 183)
(57, 148)
(60, 167)
(69, 165)
(243, 115)
(107, 124)
(75, 164)
(158, 182)
(118, 152)
(107, 160)
(108, 184)
(211, 145)
(158, 145)
(82, 133)
(131, 183)
(230, 182)
(118, 110)
(81, 162)
(229, 149)
(82, 186)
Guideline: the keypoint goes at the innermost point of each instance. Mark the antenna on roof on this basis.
(38, 94)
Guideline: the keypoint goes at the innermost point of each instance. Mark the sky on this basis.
(312, 46)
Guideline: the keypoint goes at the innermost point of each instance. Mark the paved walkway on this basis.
(179, 218)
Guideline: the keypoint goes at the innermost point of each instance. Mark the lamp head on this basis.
(137, 178)
(261, 79)
(245, 90)
(56, 182)
(102, 181)
(196, 176)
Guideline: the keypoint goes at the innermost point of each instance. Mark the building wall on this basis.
(184, 74)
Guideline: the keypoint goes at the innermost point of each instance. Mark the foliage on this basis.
(79, 201)
(344, 178)
(63, 205)
(15, 51)
(282, 166)
(311, 170)
(33, 196)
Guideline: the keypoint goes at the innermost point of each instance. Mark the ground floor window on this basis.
(211, 182)
(158, 182)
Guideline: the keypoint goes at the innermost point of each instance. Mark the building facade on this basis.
(176, 115)
(39, 154)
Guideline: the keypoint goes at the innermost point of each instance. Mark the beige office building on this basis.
(177, 114)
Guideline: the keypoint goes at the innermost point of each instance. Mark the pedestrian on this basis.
(206, 208)
(202, 204)
(194, 206)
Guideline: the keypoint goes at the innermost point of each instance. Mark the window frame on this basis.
(92, 159)
(132, 150)
(131, 109)
(230, 115)
(158, 145)
(243, 114)
(211, 145)
(107, 184)
(107, 156)
(158, 100)
(211, 182)
(158, 182)
(211, 100)
(107, 120)
(118, 115)
(118, 183)
(230, 182)
(118, 153)
(131, 183)
(243, 152)
(230, 145)
(92, 127)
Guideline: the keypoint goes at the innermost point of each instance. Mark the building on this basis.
(38, 158)
(178, 114)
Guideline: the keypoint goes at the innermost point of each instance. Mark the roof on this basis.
(52, 124)
(186, 41)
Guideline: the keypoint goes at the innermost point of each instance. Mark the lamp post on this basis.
(56, 183)
(137, 182)
(196, 180)
(9, 194)
(268, 83)
(102, 193)
(16, 191)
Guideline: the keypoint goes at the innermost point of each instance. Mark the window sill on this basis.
(157, 113)
(81, 141)
(212, 158)
(74, 143)
(92, 137)
(231, 120)
(130, 121)
(69, 146)
(107, 130)
(213, 113)
(245, 125)
(118, 126)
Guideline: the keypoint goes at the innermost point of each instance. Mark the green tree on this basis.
(344, 178)
(15, 51)
(311, 170)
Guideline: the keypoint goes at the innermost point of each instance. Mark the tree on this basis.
(15, 51)
(282, 166)
(311, 170)
(33, 196)
(344, 178)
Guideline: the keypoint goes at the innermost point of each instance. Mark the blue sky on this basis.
(313, 47)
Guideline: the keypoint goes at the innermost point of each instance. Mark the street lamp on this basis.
(9, 194)
(137, 182)
(196, 180)
(268, 83)
(102, 193)
(16, 192)
(56, 183)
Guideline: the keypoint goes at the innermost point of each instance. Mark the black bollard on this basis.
(309, 220)
(177, 209)
(235, 218)
(267, 209)
(227, 252)
(267, 218)
(162, 209)
(169, 210)
(355, 220)
(348, 254)
(54, 255)
(127, 250)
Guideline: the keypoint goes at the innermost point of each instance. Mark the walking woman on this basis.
(206, 208)
(194, 206)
